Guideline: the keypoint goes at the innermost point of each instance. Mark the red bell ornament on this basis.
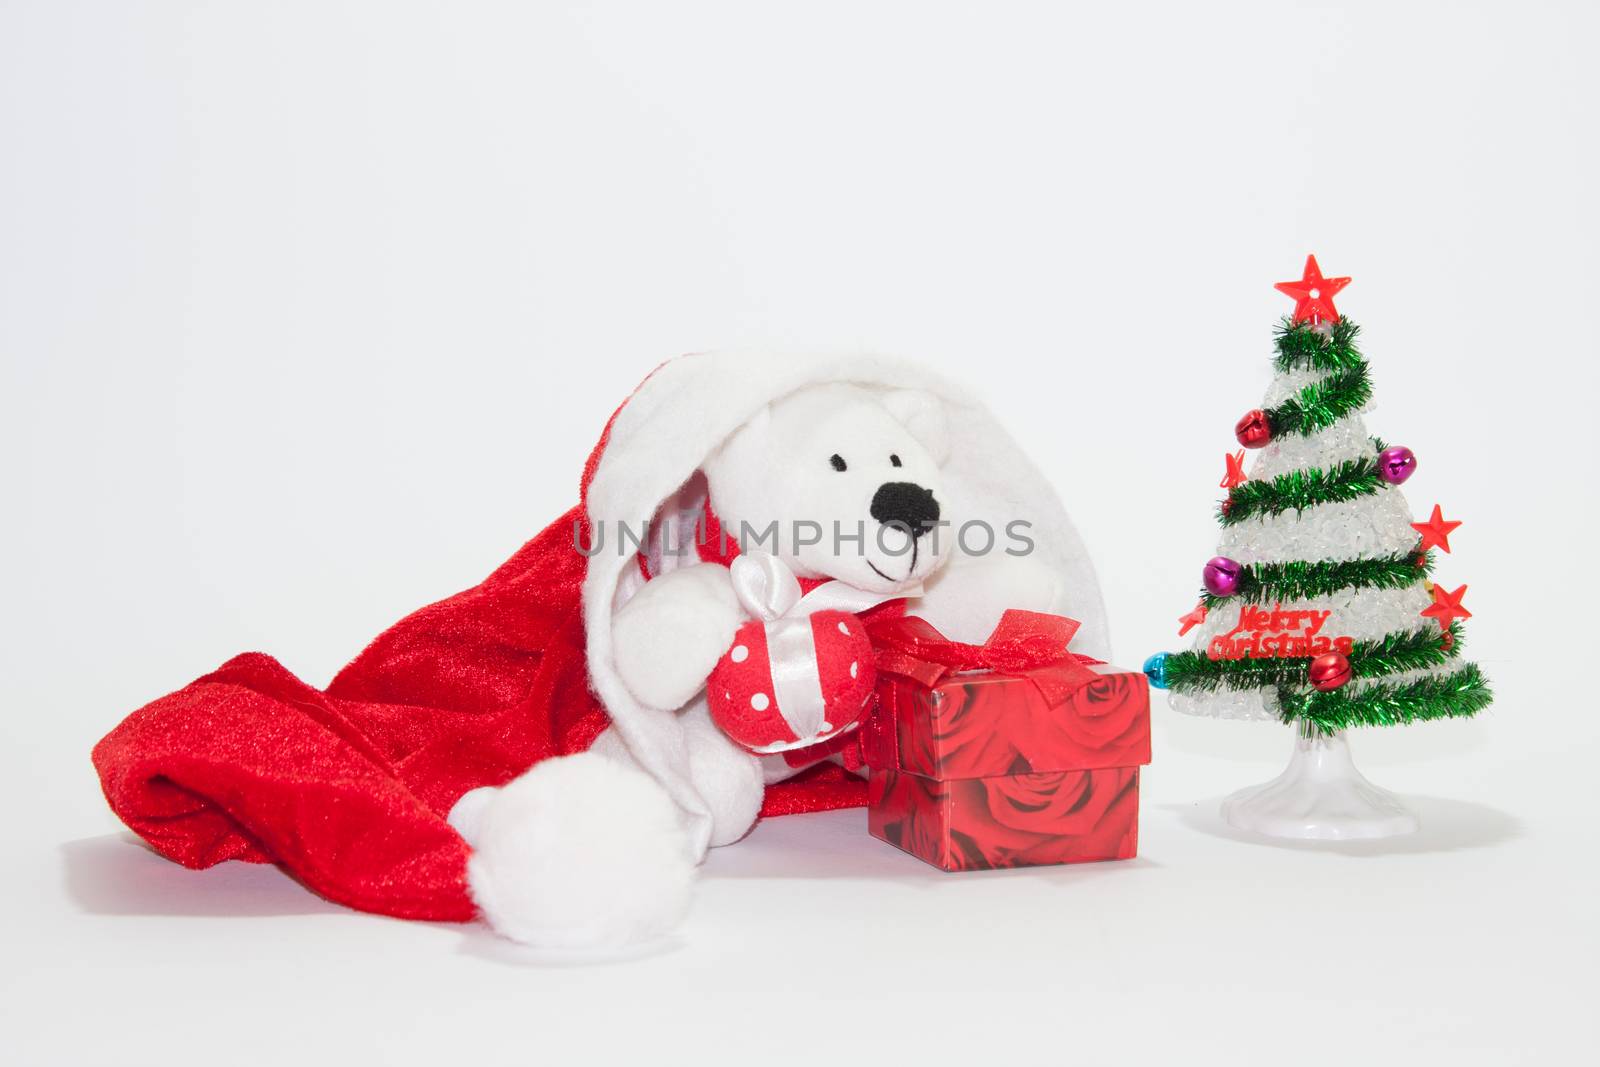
(1329, 671)
(1254, 430)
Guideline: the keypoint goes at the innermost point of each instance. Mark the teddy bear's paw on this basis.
(581, 853)
(669, 636)
(729, 779)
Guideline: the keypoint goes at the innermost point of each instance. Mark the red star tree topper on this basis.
(1436, 531)
(1313, 294)
(1446, 606)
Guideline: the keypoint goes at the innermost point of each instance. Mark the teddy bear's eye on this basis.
(837, 461)
(894, 460)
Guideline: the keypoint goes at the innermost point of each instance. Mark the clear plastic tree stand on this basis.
(1319, 797)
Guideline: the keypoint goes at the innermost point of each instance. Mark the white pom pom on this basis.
(581, 852)
(467, 815)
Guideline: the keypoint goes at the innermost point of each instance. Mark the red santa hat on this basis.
(349, 788)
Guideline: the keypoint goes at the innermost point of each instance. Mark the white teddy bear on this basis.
(616, 866)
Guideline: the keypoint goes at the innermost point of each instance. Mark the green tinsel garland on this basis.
(1321, 404)
(1393, 653)
(1299, 580)
(1301, 489)
(1456, 695)
(1301, 346)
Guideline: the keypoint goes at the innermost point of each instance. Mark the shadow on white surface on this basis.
(836, 844)
(1259, 742)
(1447, 826)
(482, 943)
(117, 874)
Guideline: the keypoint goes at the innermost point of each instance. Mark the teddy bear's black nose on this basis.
(906, 504)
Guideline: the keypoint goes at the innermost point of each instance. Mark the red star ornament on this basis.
(1446, 606)
(1436, 531)
(1235, 475)
(1313, 294)
(1193, 619)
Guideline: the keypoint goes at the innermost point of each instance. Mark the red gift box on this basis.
(1014, 753)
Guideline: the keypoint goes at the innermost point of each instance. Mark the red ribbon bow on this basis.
(1027, 644)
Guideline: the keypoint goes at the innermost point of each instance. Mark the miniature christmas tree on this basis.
(1318, 610)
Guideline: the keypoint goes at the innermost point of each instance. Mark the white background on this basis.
(309, 313)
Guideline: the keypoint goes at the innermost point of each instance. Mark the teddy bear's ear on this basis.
(923, 414)
(752, 434)
(757, 427)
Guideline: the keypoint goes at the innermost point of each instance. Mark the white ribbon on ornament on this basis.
(770, 592)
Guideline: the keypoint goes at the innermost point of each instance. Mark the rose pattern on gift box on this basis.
(978, 726)
(1014, 753)
(1020, 820)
